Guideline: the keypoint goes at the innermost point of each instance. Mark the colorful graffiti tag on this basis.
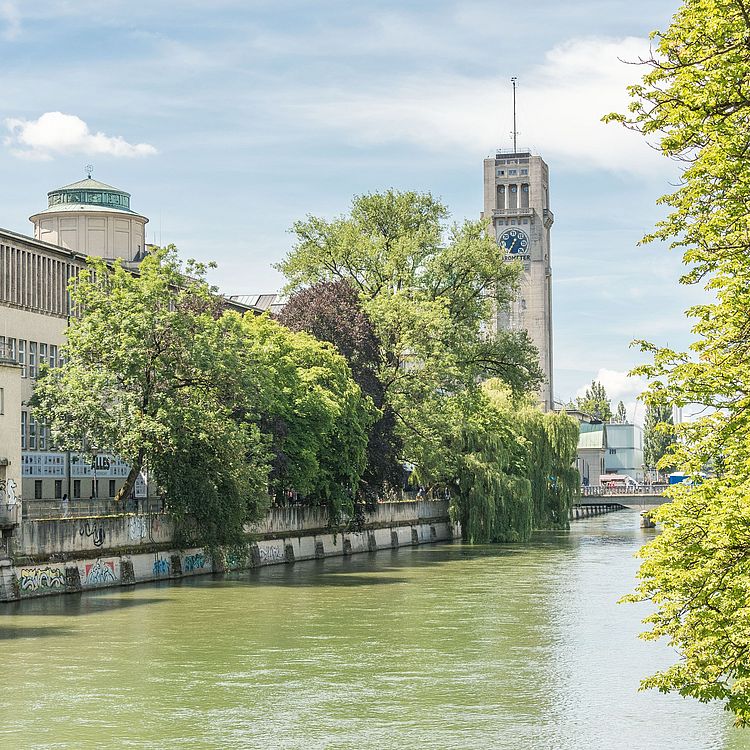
(196, 561)
(37, 579)
(100, 572)
(161, 567)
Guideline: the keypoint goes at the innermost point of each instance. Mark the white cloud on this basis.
(560, 103)
(11, 15)
(621, 387)
(55, 133)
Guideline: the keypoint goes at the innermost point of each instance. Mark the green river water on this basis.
(441, 646)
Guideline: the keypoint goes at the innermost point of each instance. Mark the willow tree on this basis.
(693, 102)
(513, 467)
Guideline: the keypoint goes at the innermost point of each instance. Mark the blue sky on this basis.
(228, 120)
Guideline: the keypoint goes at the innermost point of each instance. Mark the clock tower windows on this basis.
(500, 200)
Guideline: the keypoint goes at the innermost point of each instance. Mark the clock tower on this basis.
(516, 203)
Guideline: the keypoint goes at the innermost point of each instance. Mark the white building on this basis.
(82, 219)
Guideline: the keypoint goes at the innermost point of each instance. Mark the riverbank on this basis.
(69, 555)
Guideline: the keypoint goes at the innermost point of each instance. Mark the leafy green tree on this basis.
(513, 466)
(621, 415)
(430, 292)
(596, 402)
(331, 311)
(658, 434)
(148, 376)
(693, 104)
(312, 410)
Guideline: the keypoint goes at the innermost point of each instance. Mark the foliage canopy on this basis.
(693, 102)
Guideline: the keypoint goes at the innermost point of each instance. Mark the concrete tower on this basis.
(92, 218)
(516, 202)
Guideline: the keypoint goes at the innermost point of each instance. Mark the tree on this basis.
(693, 103)
(148, 376)
(621, 416)
(658, 434)
(430, 292)
(312, 410)
(513, 466)
(596, 402)
(331, 311)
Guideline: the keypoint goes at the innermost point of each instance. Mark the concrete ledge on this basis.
(25, 581)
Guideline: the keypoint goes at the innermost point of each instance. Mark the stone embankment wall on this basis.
(54, 556)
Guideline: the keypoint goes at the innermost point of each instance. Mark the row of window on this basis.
(510, 222)
(512, 172)
(35, 280)
(39, 488)
(31, 354)
(34, 434)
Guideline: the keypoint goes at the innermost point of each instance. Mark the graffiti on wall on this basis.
(37, 579)
(270, 554)
(196, 561)
(100, 572)
(161, 567)
(137, 528)
(8, 492)
(93, 530)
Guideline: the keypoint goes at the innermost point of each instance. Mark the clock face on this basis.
(514, 242)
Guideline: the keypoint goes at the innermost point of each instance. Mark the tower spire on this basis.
(515, 130)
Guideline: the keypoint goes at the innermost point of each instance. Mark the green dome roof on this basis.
(89, 192)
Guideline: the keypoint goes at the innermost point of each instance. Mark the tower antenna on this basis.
(515, 131)
(89, 170)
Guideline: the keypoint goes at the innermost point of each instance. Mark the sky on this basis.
(228, 120)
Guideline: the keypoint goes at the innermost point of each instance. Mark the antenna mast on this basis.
(515, 131)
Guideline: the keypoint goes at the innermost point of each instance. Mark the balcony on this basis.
(512, 212)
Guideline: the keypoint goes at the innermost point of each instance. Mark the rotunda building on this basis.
(92, 218)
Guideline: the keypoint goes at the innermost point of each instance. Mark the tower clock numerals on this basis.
(514, 241)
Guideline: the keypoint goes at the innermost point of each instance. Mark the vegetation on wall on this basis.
(693, 104)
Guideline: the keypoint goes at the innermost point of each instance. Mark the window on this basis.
(111, 487)
(52, 356)
(43, 436)
(512, 172)
(22, 356)
(24, 420)
(2, 401)
(612, 451)
(32, 434)
(32, 359)
(37, 489)
(76, 488)
(58, 489)
(42, 354)
(500, 172)
(524, 171)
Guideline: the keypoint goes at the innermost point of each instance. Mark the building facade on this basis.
(516, 203)
(86, 218)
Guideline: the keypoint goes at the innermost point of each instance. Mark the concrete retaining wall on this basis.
(70, 555)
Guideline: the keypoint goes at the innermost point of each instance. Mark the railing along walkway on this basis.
(634, 489)
(78, 508)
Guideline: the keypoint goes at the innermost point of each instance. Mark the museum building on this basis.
(86, 218)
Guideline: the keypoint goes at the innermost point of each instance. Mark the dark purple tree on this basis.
(331, 311)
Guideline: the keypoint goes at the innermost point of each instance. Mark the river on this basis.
(442, 646)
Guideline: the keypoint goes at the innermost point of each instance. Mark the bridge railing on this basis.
(633, 489)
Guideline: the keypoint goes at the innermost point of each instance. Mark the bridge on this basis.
(597, 500)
